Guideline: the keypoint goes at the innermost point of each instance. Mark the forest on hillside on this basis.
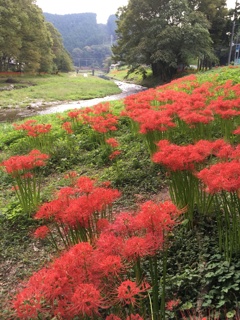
(163, 35)
(88, 42)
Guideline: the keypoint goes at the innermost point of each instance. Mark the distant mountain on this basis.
(81, 31)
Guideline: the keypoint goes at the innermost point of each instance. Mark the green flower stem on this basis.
(65, 239)
(155, 286)
(163, 282)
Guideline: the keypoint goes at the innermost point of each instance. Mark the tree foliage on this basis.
(166, 33)
(27, 42)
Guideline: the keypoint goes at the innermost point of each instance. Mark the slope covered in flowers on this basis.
(125, 264)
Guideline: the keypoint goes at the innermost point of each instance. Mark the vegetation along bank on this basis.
(126, 210)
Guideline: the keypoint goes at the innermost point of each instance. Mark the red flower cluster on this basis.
(20, 164)
(32, 128)
(237, 131)
(67, 126)
(186, 157)
(221, 176)
(170, 305)
(80, 206)
(100, 118)
(41, 232)
(112, 142)
(139, 234)
(86, 279)
(187, 100)
(128, 291)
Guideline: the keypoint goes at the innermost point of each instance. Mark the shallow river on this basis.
(17, 114)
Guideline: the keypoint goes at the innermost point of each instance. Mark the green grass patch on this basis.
(48, 88)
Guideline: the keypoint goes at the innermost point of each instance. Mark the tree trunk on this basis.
(163, 71)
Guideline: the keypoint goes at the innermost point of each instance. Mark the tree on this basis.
(111, 25)
(216, 13)
(77, 54)
(10, 39)
(61, 58)
(162, 34)
(27, 41)
(35, 53)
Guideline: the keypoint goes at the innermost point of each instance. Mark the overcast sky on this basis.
(103, 8)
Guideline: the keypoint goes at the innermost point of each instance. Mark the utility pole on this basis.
(233, 30)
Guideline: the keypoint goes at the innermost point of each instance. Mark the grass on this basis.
(121, 74)
(47, 88)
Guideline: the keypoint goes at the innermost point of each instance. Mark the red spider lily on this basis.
(85, 184)
(177, 157)
(206, 89)
(100, 198)
(67, 126)
(86, 300)
(67, 193)
(225, 108)
(220, 148)
(125, 224)
(151, 116)
(33, 129)
(78, 209)
(237, 131)
(78, 213)
(19, 164)
(76, 282)
(102, 224)
(74, 114)
(172, 304)
(31, 309)
(128, 292)
(27, 184)
(114, 154)
(112, 142)
(26, 124)
(221, 176)
(109, 243)
(41, 232)
(158, 217)
(236, 153)
(137, 247)
(51, 209)
(104, 124)
(55, 288)
(108, 265)
(100, 118)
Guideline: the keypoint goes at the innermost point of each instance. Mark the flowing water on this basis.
(18, 114)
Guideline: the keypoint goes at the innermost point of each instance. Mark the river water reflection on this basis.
(18, 114)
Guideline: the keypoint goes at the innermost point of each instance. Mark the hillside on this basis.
(81, 31)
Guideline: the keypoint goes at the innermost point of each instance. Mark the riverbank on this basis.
(28, 91)
(42, 107)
